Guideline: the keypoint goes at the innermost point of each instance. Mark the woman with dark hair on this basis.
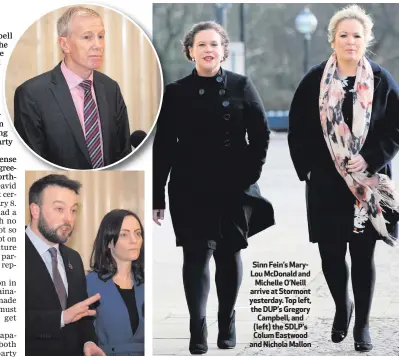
(214, 200)
(343, 133)
(117, 264)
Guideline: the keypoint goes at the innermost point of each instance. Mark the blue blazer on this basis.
(112, 321)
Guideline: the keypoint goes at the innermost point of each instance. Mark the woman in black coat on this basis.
(214, 200)
(343, 133)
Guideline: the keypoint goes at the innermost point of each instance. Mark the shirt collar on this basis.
(73, 80)
(40, 245)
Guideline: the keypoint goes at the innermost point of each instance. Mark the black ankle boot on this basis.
(337, 334)
(198, 335)
(362, 339)
(227, 331)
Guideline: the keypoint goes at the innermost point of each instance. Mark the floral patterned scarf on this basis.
(372, 191)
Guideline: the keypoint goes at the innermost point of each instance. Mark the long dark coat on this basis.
(330, 204)
(201, 139)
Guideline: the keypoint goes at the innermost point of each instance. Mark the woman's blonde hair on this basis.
(348, 13)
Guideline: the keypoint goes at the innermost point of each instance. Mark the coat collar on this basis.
(221, 72)
(376, 70)
(107, 278)
(219, 79)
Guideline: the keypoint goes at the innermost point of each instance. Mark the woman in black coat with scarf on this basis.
(343, 133)
(214, 200)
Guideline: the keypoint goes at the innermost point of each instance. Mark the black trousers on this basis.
(196, 279)
(336, 272)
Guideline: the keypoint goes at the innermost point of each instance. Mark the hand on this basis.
(158, 214)
(79, 310)
(91, 349)
(357, 164)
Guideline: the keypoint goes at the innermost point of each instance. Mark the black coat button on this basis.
(219, 79)
(201, 91)
(226, 116)
(222, 92)
(227, 143)
(226, 103)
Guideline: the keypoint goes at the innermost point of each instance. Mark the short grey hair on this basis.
(65, 21)
(352, 12)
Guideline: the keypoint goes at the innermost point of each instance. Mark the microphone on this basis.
(137, 137)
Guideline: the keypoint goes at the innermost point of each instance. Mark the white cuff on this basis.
(85, 345)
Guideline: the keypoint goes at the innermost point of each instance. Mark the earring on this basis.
(192, 60)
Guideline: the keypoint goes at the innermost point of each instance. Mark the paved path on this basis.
(286, 241)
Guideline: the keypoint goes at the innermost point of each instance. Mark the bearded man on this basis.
(57, 307)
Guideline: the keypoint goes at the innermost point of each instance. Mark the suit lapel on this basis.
(376, 71)
(139, 295)
(102, 105)
(377, 81)
(36, 268)
(69, 273)
(64, 100)
(120, 305)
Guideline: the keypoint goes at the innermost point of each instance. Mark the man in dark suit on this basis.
(74, 116)
(57, 307)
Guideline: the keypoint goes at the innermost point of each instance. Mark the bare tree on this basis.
(274, 49)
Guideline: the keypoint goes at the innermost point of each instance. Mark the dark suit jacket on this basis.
(329, 201)
(46, 119)
(43, 335)
(112, 321)
(201, 140)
